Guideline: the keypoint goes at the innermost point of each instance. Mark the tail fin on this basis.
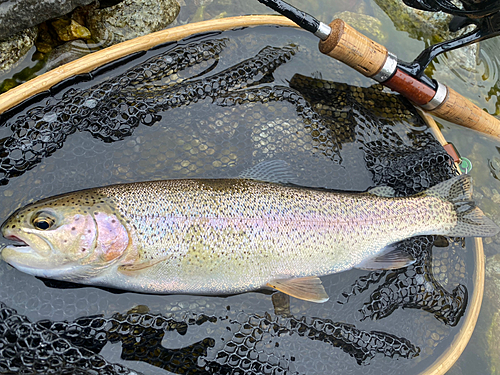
(471, 220)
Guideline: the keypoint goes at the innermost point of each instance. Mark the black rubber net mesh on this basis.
(213, 106)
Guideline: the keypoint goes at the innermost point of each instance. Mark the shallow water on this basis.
(144, 156)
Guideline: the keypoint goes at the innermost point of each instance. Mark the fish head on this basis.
(62, 239)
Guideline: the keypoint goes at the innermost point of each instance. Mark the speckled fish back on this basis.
(222, 236)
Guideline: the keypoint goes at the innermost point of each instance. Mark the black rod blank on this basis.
(304, 20)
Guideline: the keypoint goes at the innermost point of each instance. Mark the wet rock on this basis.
(45, 41)
(108, 3)
(496, 197)
(431, 27)
(419, 24)
(130, 19)
(15, 48)
(492, 305)
(368, 25)
(54, 33)
(65, 53)
(69, 29)
(486, 190)
(18, 15)
(492, 291)
(481, 356)
(493, 337)
(81, 14)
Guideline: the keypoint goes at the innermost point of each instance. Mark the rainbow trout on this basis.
(229, 235)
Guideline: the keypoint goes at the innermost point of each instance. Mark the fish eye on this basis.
(43, 221)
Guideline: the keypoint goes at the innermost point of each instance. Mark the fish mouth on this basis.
(17, 241)
(24, 258)
(18, 251)
(19, 245)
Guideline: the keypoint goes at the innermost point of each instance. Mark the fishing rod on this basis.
(344, 43)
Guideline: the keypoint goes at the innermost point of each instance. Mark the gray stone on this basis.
(130, 19)
(496, 198)
(15, 48)
(65, 53)
(418, 23)
(21, 14)
(431, 27)
(368, 25)
(493, 338)
(482, 355)
(492, 305)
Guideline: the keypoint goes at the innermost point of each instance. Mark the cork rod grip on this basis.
(461, 111)
(353, 48)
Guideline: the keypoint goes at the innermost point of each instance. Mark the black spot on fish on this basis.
(73, 228)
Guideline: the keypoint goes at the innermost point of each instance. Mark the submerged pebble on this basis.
(65, 53)
(68, 30)
(18, 15)
(491, 320)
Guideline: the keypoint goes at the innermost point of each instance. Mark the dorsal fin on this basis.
(382, 191)
(277, 171)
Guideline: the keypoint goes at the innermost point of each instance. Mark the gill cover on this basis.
(112, 237)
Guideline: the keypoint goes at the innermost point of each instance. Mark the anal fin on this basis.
(306, 288)
(391, 257)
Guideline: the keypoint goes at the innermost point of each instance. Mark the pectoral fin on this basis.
(392, 257)
(306, 288)
(138, 266)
